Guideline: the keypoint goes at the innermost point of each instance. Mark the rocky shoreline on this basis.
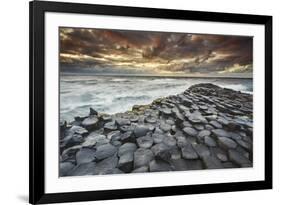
(205, 127)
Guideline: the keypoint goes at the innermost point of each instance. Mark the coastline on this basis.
(205, 127)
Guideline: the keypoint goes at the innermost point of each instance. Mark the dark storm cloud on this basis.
(155, 52)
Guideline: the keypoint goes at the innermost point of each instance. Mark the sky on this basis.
(105, 51)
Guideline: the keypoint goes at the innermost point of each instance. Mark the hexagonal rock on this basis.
(150, 119)
(141, 130)
(82, 169)
(105, 151)
(127, 137)
(145, 141)
(94, 139)
(189, 131)
(142, 157)
(238, 158)
(201, 150)
(220, 133)
(65, 167)
(188, 152)
(159, 166)
(125, 162)
(182, 141)
(85, 155)
(210, 141)
(197, 118)
(226, 143)
(106, 166)
(90, 122)
(161, 151)
(157, 138)
(109, 126)
(127, 148)
(166, 112)
(165, 127)
(170, 141)
(78, 130)
(211, 162)
(140, 169)
(220, 154)
(215, 124)
(245, 145)
(203, 134)
(121, 121)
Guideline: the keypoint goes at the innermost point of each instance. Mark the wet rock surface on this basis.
(205, 127)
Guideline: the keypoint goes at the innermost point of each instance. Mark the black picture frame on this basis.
(37, 9)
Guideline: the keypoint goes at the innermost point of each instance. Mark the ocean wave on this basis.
(112, 95)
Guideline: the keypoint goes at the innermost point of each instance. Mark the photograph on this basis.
(149, 101)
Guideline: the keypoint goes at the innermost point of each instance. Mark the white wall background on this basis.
(14, 100)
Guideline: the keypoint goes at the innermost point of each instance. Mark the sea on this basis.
(114, 94)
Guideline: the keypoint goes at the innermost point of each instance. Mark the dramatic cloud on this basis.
(142, 52)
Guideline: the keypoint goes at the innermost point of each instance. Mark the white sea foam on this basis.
(118, 94)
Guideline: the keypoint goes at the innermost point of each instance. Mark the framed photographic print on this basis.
(140, 102)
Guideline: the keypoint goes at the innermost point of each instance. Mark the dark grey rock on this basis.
(106, 166)
(175, 153)
(141, 169)
(125, 162)
(188, 152)
(215, 124)
(245, 145)
(85, 155)
(238, 158)
(114, 135)
(140, 130)
(203, 133)
(105, 151)
(78, 130)
(210, 141)
(65, 167)
(145, 141)
(223, 121)
(186, 124)
(220, 133)
(127, 148)
(165, 127)
(113, 171)
(226, 143)
(90, 122)
(211, 162)
(197, 118)
(142, 157)
(159, 166)
(219, 153)
(182, 141)
(232, 126)
(201, 150)
(157, 138)
(161, 151)
(121, 121)
(150, 119)
(126, 128)
(199, 127)
(166, 112)
(209, 127)
(83, 169)
(94, 139)
(229, 165)
(93, 112)
(110, 126)
(170, 141)
(189, 131)
(127, 137)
